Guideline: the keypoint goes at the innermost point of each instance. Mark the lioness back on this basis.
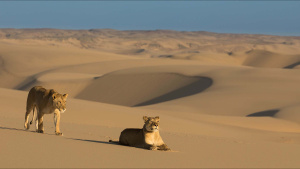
(132, 137)
(37, 94)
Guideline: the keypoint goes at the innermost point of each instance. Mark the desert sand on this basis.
(225, 100)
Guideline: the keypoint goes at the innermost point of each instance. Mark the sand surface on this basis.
(225, 100)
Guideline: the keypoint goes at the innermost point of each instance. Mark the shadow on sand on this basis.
(76, 139)
(10, 128)
(143, 88)
(113, 143)
(191, 89)
(26, 84)
(96, 141)
(292, 65)
(24, 130)
(266, 113)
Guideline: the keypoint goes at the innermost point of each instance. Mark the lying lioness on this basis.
(148, 137)
(46, 102)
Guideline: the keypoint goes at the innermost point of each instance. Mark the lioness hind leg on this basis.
(36, 123)
(28, 110)
(26, 125)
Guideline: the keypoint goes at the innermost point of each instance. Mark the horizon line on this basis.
(78, 29)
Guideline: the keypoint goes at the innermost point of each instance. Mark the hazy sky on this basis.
(263, 17)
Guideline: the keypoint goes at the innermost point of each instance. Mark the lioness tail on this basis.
(112, 141)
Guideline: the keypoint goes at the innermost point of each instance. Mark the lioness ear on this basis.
(157, 118)
(53, 94)
(65, 96)
(145, 118)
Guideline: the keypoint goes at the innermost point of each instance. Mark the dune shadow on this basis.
(143, 89)
(26, 84)
(291, 66)
(266, 113)
(193, 88)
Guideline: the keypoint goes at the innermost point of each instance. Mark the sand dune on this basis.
(134, 89)
(225, 100)
(261, 58)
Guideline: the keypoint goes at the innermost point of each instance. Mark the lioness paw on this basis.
(26, 126)
(59, 133)
(167, 149)
(40, 131)
(164, 148)
(153, 148)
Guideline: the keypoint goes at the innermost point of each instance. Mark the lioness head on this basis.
(59, 101)
(151, 123)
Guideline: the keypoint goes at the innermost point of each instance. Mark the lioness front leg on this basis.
(164, 147)
(56, 123)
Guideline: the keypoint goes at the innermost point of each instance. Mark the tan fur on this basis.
(148, 137)
(46, 102)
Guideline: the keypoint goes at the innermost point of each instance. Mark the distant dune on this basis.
(204, 46)
(225, 100)
(262, 58)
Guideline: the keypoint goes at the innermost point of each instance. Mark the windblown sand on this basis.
(225, 100)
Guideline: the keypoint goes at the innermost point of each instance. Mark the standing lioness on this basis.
(148, 137)
(46, 102)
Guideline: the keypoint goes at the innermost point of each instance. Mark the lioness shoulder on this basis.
(148, 137)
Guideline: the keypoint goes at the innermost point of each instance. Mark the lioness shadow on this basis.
(111, 143)
(10, 128)
(96, 141)
(23, 130)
